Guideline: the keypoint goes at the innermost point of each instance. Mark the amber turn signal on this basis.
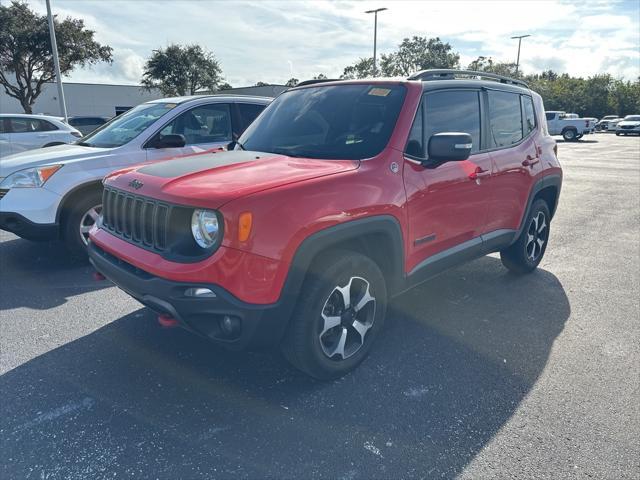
(244, 226)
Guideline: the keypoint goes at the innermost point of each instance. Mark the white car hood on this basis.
(60, 154)
(627, 123)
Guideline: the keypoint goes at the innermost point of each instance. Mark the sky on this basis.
(272, 41)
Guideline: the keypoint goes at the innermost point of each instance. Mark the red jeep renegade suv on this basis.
(339, 196)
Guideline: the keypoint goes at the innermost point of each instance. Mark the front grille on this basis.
(628, 127)
(139, 220)
(3, 192)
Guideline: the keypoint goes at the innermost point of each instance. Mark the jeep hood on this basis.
(213, 179)
(63, 154)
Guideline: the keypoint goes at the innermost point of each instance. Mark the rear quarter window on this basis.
(505, 118)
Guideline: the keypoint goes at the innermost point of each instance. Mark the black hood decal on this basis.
(181, 166)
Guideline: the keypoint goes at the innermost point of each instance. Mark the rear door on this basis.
(448, 204)
(516, 157)
(205, 128)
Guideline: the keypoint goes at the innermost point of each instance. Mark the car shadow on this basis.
(458, 355)
(41, 275)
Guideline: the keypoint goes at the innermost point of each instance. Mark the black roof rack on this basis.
(448, 74)
(317, 80)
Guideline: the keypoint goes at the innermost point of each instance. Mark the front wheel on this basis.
(340, 313)
(82, 216)
(527, 252)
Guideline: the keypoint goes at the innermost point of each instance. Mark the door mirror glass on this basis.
(169, 141)
(449, 147)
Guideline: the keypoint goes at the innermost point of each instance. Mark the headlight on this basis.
(30, 177)
(205, 228)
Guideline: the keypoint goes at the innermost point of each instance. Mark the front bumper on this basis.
(260, 325)
(23, 227)
(628, 130)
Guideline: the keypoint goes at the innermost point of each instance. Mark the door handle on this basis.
(479, 172)
(530, 161)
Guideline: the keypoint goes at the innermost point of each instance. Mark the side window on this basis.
(4, 125)
(550, 116)
(249, 112)
(528, 115)
(453, 111)
(204, 124)
(505, 118)
(20, 125)
(42, 126)
(415, 147)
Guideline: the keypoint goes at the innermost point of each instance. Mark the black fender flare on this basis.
(97, 184)
(552, 180)
(327, 238)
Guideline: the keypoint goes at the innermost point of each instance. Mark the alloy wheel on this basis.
(87, 221)
(347, 316)
(537, 235)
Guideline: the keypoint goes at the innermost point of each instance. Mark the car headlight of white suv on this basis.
(30, 177)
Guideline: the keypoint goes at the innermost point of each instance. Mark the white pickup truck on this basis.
(571, 129)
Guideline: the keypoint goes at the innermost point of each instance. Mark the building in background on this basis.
(83, 99)
(256, 91)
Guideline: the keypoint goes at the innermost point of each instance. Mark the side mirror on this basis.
(170, 141)
(449, 147)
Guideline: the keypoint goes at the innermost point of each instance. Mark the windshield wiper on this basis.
(84, 144)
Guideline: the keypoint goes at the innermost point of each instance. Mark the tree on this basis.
(261, 84)
(486, 64)
(292, 82)
(182, 70)
(363, 68)
(418, 53)
(224, 86)
(320, 76)
(25, 51)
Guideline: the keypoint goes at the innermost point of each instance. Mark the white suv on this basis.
(57, 192)
(22, 132)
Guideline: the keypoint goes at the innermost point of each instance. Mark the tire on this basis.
(618, 134)
(331, 348)
(52, 144)
(525, 254)
(84, 211)
(569, 135)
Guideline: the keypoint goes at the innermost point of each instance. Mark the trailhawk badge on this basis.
(135, 184)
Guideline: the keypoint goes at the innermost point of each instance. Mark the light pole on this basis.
(56, 62)
(519, 37)
(375, 34)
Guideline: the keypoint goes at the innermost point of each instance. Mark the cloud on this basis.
(272, 40)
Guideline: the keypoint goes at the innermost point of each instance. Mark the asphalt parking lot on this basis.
(480, 375)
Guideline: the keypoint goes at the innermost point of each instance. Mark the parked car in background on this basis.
(87, 124)
(22, 132)
(571, 129)
(629, 124)
(71, 201)
(603, 124)
(612, 125)
(340, 196)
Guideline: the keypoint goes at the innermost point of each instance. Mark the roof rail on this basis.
(317, 80)
(450, 74)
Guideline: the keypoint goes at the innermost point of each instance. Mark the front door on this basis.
(448, 204)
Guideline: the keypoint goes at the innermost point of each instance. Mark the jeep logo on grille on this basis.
(135, 184)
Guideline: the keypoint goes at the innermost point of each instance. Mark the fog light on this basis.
(199, 292)
(230, 325)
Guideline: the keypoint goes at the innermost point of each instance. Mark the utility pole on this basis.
(56, 62)
(519, 37)
(375, 35)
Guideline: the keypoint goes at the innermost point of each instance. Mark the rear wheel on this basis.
(569, 135)
(82, 216)
(341, 312)
(527, 252)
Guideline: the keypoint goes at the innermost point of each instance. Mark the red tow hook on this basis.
(97, 276)
(167, 321)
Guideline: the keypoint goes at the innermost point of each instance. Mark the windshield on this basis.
(632, 118)
(126, 127)
(350, 122)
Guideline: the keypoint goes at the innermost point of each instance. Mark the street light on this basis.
(375, 34)
(56, 62)
(519, 37)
